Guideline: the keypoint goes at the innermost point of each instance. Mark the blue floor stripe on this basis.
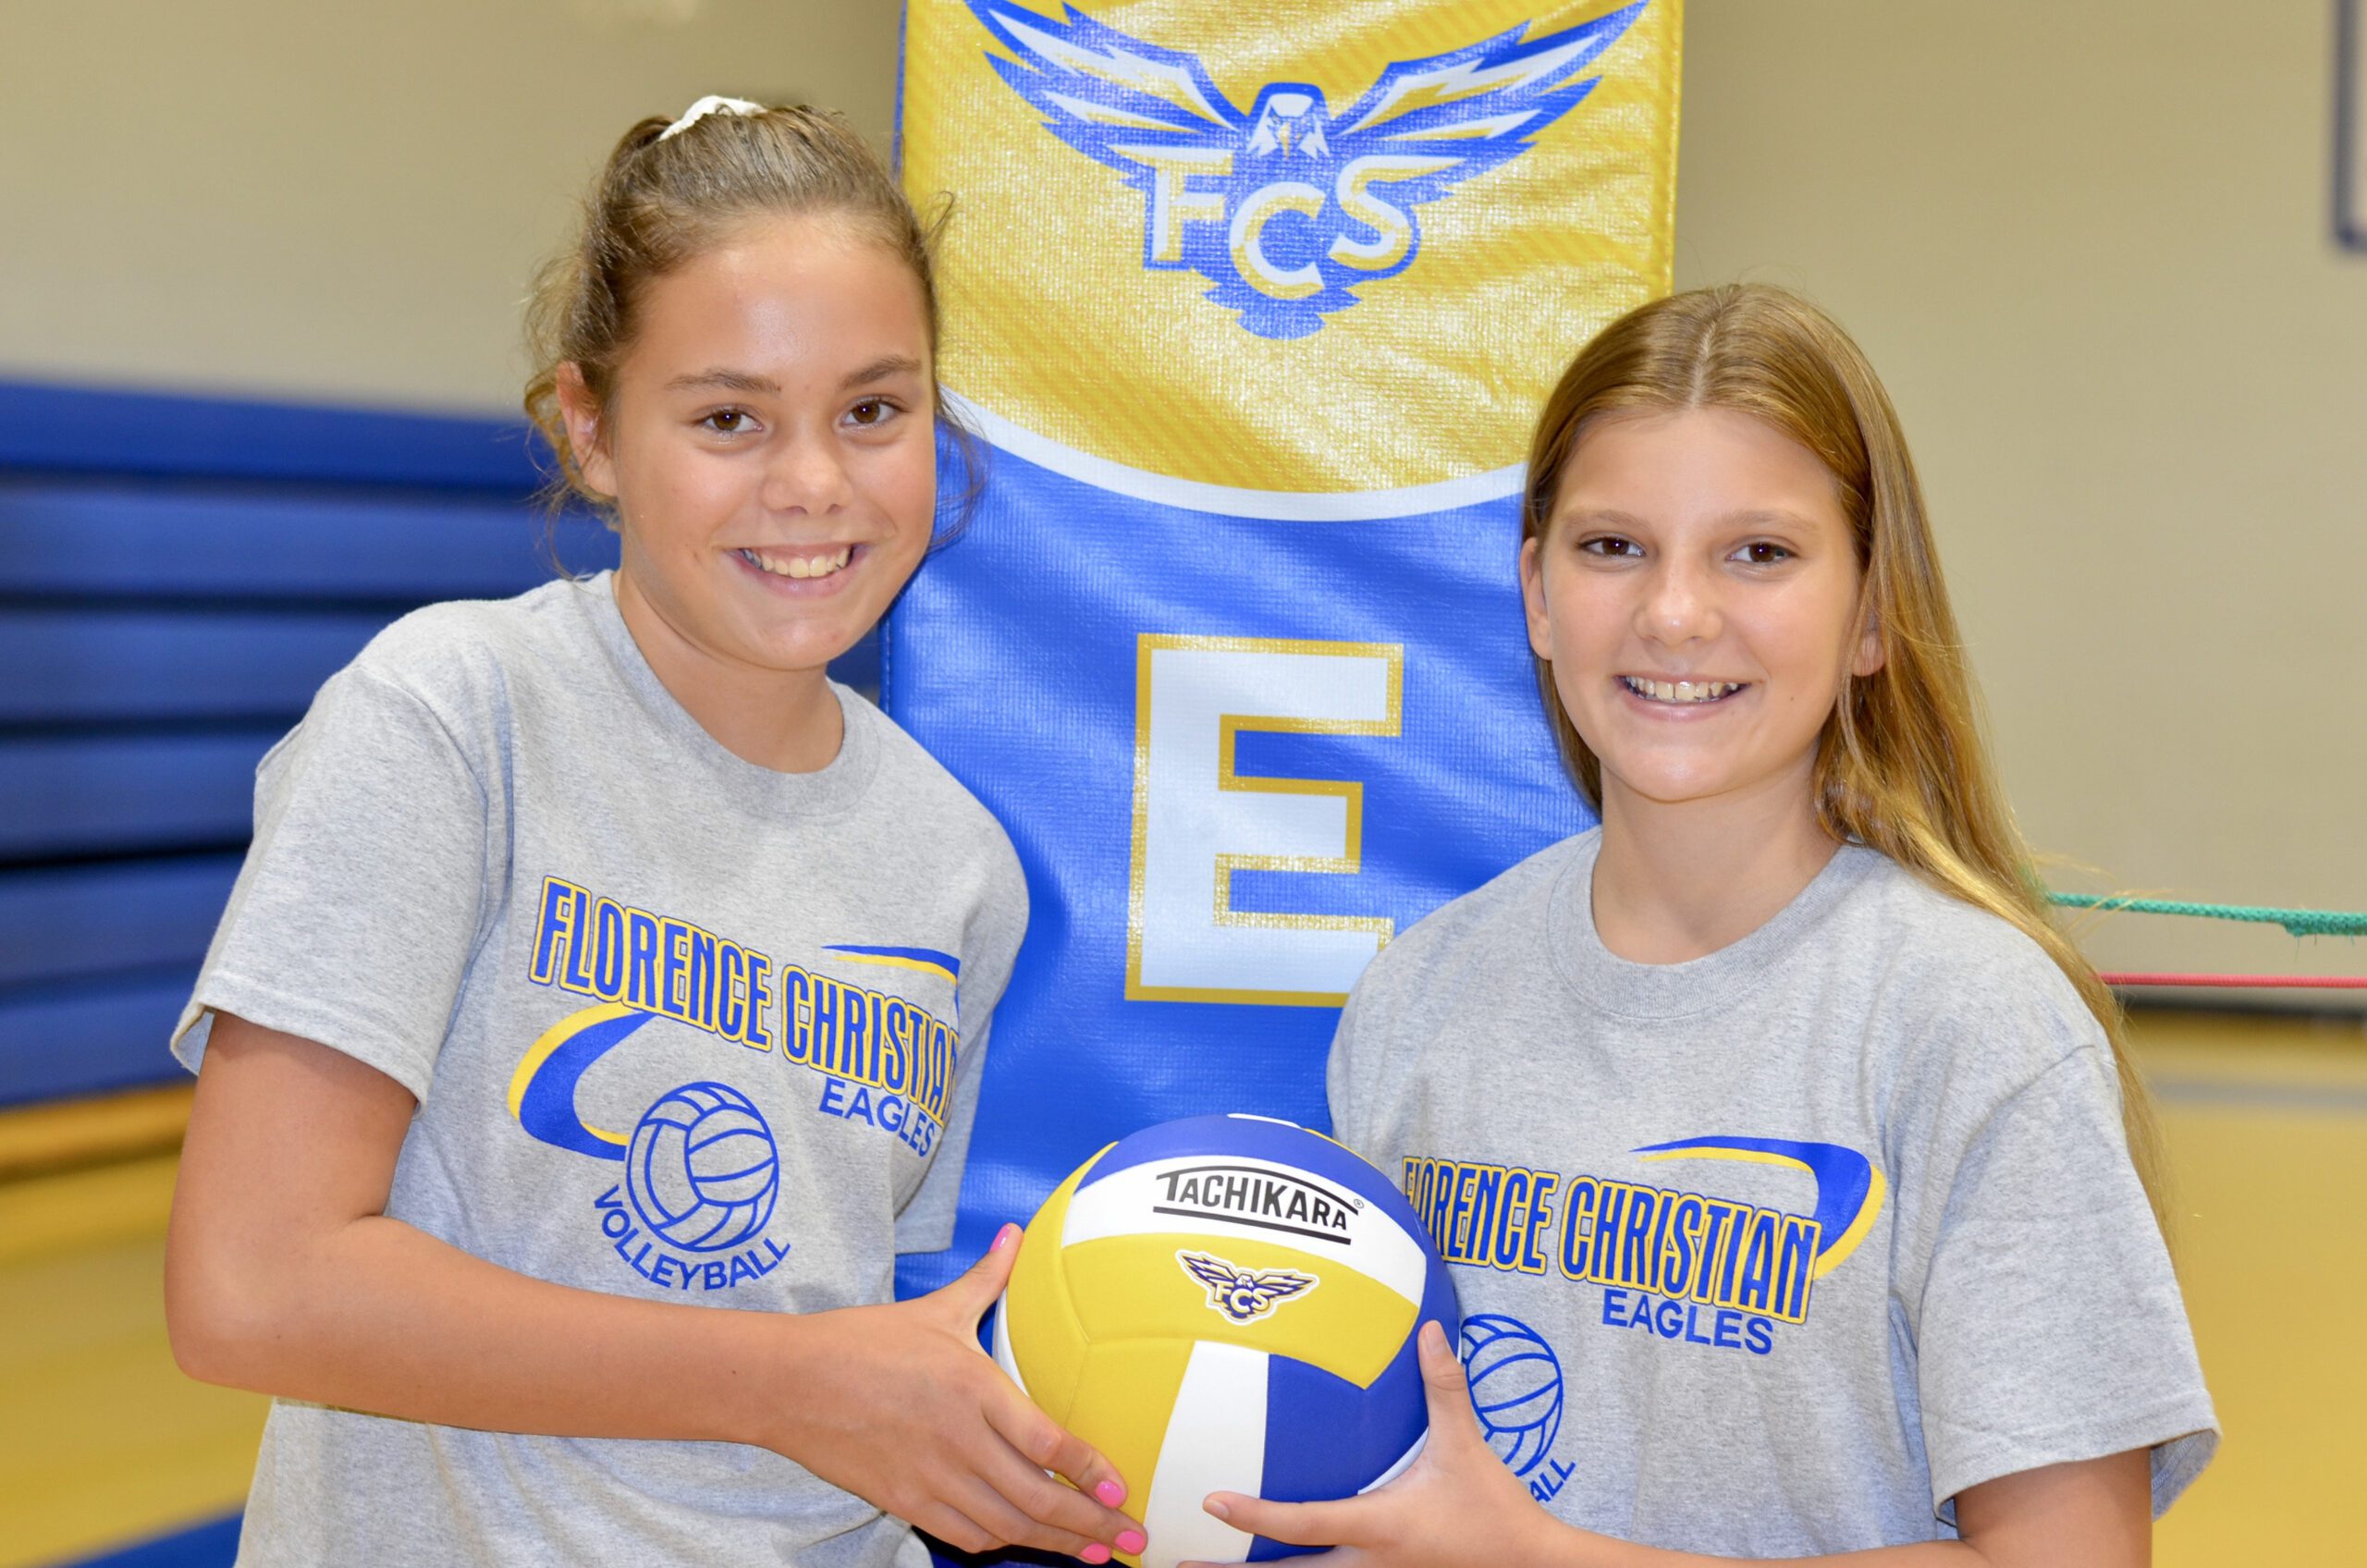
(213, 1544)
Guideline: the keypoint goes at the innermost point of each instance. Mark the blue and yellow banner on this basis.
(1255, 308)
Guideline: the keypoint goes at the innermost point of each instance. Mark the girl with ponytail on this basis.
(599, 1011)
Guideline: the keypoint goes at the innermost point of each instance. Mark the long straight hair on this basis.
(1901, 765)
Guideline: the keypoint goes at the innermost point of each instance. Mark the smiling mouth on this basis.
(1683, 694)
(782, 563)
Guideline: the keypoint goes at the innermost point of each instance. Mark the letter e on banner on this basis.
(1197, 821)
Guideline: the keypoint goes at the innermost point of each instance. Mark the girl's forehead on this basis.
(793, 288)
(1676, 465)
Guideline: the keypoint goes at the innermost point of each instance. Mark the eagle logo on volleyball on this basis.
(1286, 207)
(1244, 1294)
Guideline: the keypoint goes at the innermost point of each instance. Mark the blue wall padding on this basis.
(103, 797)
(80, 922)
(169, 602)
(177, 576)
(90, 1036)
(98, 430)
(104, 666)
(182, 541)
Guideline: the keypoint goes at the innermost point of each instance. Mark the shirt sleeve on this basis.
(1340, 1079)
(2050, 1328)
(353, 920)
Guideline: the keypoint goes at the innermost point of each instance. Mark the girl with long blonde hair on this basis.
(1797, 1184)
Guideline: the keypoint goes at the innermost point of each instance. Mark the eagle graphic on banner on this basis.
(1285, 207)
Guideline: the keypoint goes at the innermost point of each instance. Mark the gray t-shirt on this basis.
(1773, 1252)
(681, 1028)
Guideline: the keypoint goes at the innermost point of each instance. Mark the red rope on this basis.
(2248, 982)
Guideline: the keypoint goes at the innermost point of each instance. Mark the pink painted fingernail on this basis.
(1003, 1237)
(1097, 1553)
(1111, 1494)
(1132, 1540)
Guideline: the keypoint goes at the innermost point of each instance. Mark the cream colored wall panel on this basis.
(2088, 247)
(346, 200)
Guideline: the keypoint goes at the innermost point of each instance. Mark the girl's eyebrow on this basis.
(725, 380)
(882, 369)
(1759, 517)
(1600, 517)
(1772, 518)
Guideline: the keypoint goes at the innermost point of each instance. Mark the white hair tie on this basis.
(713, 104)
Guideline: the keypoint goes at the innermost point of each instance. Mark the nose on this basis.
(1679, 603)
(806, 472)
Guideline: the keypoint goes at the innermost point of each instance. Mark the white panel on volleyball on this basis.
(1128, 1203)
(1215, 1442)
(1404, 1462)
(1002, 1351)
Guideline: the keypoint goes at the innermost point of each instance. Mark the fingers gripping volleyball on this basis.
(1227, 1302)
(1453, 1504)
(905, 1405)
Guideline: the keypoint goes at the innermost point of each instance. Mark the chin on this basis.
(1667, 789)
(794, 654)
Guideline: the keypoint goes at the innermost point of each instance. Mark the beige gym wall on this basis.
(2089, 248)
(2087, 245)
(347, 200)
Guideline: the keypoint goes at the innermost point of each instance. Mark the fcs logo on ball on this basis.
(1287, 207)
(1244, 1295)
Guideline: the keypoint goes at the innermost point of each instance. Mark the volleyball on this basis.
(1515, 1388)
(702, 1169)
(1227, 1302)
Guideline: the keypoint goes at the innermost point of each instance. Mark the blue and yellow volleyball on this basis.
(1227, 1302)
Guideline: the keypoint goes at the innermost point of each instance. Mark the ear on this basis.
(1871, 653)
(1532, 597)
(586, 440)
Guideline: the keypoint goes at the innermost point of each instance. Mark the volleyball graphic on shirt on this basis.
(1515, 1388)
(1227, 1302)
(702, 1169)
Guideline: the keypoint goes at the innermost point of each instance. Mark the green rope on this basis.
(2300, 922)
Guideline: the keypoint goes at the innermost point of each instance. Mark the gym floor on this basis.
(103, 1442)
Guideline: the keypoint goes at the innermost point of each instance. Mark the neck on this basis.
(1680, 880)
(785, 720)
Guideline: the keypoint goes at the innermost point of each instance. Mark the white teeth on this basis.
(1680, 691)
(798, 566)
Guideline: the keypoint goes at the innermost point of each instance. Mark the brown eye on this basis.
(1762, 552)
(1611, 545)
(727, 422)
(870, 411)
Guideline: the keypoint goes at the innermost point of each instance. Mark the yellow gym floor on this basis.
(102, 1441)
